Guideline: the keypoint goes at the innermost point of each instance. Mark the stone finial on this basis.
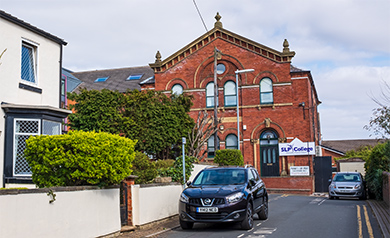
(158, 57)
(285, 46)
(218, 24)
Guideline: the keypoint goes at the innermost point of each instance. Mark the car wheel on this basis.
(247, 223)
(263, 214)
(331, 197)
(185, 225)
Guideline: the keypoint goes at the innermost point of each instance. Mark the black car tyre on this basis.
(263, 213)
(247, 223)
(185, 225)
(331, 197)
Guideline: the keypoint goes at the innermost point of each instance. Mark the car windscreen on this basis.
(220, 177)
(346, 178)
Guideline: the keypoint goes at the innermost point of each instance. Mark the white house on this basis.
(30, 91)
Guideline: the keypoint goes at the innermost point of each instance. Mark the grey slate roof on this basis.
(345, 145)
(117, 80)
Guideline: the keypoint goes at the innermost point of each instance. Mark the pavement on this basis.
(379, 208)
(382, 213)
(151, 230)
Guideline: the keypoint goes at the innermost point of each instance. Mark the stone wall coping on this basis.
(53, 189)
(158, 184)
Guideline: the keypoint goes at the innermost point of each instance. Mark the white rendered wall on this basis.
(86, 213)
(353, 167)
(153, 203)
(47, 79)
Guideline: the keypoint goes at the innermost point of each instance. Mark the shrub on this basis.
(229, 157)
(164, 164)
(377, 162)
(176, 172)
(79, 158)
(143, 168)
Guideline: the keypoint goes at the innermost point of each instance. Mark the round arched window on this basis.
(221, 68)
(177, 89)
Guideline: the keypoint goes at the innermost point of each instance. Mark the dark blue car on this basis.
(224, 194)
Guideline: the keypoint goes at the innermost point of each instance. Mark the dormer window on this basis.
(102, 79)
(135, 76)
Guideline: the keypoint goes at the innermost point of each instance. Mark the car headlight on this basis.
(358, 186)
(183, 198)
(235, 197)
(332, 185)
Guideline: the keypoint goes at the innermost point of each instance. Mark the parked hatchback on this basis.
(347, 184)
(224, 194)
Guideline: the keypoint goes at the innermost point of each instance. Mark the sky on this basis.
(344, 43)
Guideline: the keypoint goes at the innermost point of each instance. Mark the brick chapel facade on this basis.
(277, 101)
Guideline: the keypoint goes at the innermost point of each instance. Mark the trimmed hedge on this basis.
(229, 157)
(79, 158)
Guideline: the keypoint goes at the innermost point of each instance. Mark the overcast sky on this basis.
(344, 43)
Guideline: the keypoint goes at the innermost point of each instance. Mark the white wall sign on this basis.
(297, 147)
(299, 171)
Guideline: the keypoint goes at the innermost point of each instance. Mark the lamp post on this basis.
(238, 112)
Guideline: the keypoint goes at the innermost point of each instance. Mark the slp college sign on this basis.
(297, 147)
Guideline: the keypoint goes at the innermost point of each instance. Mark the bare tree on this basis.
(380, 121)
(203, 129)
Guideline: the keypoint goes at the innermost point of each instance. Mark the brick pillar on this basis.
(127, 194)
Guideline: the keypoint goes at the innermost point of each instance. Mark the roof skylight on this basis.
(135, 76)
(102, 79)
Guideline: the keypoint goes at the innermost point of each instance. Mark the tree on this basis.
(377, 162)
(380, 122)
(203, 129)
(157, 121)
(160, 121)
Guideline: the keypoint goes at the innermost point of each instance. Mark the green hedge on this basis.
(79, 158)
(144, 168)
(377, 162)
(229, 157)
(176, 171)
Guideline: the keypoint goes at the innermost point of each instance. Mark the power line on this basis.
(200, 15)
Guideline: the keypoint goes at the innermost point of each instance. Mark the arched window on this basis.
(231, 142)
(211, 147)
(230, 94)
(266, 91)
(177, 89)
(210, 95)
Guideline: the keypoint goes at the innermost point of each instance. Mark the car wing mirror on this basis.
(188, 183)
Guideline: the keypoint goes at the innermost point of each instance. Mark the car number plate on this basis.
(207, 209)
(344, 191)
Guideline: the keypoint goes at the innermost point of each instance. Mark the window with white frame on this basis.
(211, 147)
(23, 129)
(177, 89)
(266, 91)
(231, 142)
(210, 95)
(28, 62)
(230, 94)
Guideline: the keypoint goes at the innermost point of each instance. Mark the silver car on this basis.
(347, 184)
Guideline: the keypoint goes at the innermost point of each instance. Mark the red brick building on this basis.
(277, 101)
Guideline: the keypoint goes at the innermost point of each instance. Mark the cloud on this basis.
(344, 43)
